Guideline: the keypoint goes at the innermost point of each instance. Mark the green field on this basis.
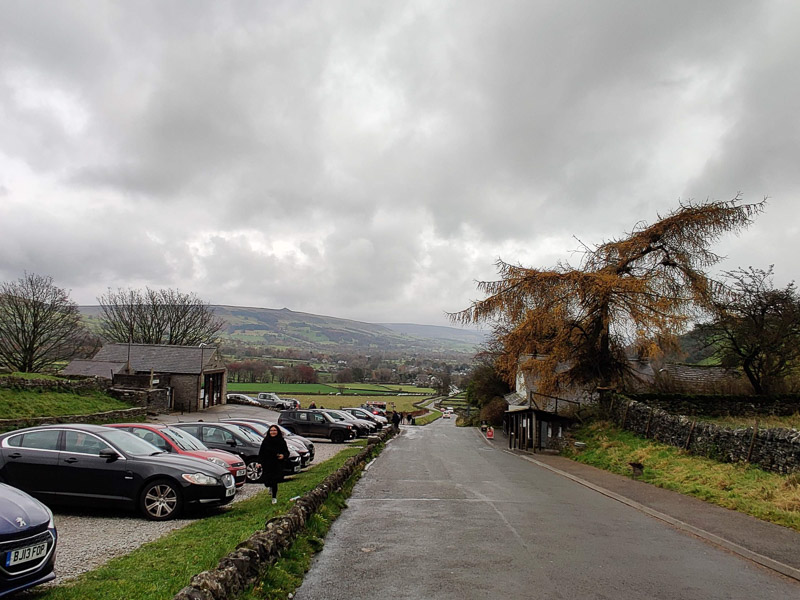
(348, 389)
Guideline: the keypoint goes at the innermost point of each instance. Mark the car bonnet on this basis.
(18, 511)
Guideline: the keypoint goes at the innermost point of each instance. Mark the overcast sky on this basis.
(372, 160)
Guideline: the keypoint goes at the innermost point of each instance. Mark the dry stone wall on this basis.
(775, 450)
(240, 569)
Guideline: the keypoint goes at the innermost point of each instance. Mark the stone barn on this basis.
(195, 377)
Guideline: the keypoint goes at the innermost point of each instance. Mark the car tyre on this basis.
(160, 500)
(337, 437)
(255, 472)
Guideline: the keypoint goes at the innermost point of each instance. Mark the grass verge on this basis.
(287, 574)
(764, 422)
(768, 496)
(160, 569)
(23, 404)
(429, 418)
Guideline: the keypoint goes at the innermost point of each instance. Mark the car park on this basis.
(260, 430)
(96, 465)
(286, 433)
(313, 423)
(235, 439)
(28, 541)
(176, 441)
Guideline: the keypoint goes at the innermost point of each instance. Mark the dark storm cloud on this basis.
(371, 159)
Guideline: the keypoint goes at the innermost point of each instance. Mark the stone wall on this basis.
(66, 386)
(775, 450)
(155, 401)
(722, 406)
(240, 569)
(112, 416)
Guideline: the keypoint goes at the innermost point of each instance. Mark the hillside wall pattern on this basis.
(776, 450)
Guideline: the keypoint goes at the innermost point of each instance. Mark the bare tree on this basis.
(637, 291)
(757, 328)
(39, 324)
(157, 317)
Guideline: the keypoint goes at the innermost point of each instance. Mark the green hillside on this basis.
(290, 329)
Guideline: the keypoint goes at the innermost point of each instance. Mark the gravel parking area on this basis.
(87, 538)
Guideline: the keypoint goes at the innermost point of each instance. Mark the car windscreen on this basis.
(129, 443)
(248, 434)
(184, 441)
(335, 416)
(259, 429)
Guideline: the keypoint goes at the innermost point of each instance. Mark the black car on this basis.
(236, 439)
(294, 444)
(27, 541)
(316, 424)
(95, 465)
(286, 433)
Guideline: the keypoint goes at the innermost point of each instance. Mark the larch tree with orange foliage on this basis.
(575, 325)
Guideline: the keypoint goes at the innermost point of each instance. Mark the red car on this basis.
(176, 441)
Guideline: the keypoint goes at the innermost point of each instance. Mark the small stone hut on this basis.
(195, 377)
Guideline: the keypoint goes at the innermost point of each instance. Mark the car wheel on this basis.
(337, 437)
(160, 500)
(254, 471)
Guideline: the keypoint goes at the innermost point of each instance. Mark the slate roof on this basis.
(184, 360)
(93, 368)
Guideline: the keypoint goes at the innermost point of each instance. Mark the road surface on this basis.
(441, 514)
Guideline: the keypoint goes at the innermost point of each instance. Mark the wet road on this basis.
(440, 514)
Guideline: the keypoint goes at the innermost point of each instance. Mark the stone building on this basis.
(194, 377)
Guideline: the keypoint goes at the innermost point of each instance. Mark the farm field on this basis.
(350, 389)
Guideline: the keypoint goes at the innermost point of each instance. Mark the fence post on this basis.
(649, 420)
(752, 441)
(689, 437)
(625, 415)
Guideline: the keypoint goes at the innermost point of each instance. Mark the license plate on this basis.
(21, 555)
(230, 492)
(241, 472)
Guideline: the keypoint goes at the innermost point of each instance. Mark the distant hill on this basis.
(287, 328)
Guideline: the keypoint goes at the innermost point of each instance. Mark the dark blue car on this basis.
(27, 541)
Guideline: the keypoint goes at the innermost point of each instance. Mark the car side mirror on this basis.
(231, 443)
(109, 454)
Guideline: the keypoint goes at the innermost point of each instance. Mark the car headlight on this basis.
(200, 479)
(217, 461)
(51, 524)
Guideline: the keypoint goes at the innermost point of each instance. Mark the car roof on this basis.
(75, 426)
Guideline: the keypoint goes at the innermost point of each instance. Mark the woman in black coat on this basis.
(272, 453)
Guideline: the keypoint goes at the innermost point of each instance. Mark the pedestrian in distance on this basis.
(312, 405)
(396, 418)
(273, 453)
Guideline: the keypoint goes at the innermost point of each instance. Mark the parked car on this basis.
(261, 431)
(446, 414)
(286, 433)
(313, 423)
(176, 441)
(272, 400)
(362, 413)
(97, 465)
(242, 399)
(27, 541)
(375, 410)
(235, 439)
(363, 428)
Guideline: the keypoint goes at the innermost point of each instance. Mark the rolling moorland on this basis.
(287, 328)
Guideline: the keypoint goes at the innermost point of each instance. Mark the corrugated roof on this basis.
(186, 360)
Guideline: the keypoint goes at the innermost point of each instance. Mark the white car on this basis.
(446, 414)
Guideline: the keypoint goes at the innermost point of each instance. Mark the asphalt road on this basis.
(441, 514)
